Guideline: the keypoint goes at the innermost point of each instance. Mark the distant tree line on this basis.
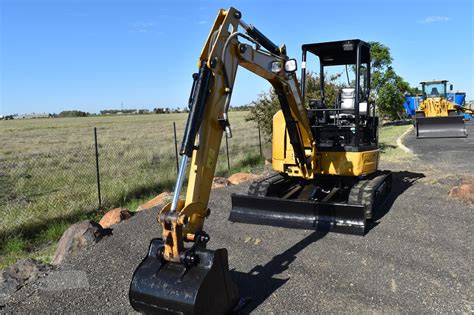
(124, 111)
(157, 110)
(241, 108)
(73, 113)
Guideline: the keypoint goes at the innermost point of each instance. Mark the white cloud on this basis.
(434, 19)
(202, 22)
(142, 27)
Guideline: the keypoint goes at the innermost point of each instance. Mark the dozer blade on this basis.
(161, 287)
(298, 214)
(441, 127)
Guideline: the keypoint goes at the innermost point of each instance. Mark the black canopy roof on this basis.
(339, 52)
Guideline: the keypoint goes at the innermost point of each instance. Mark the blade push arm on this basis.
(220, 58)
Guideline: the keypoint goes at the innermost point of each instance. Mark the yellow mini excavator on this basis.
(436, 117)
(325, 160)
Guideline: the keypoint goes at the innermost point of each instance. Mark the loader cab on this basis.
(433, 89)
(344, 120)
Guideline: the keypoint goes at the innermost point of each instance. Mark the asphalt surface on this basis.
(451, 153)
(416, 258)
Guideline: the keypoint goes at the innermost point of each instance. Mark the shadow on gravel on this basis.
(401, 181)
(260, 283)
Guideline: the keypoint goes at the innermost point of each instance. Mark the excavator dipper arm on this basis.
(155, 286)
(207, 120)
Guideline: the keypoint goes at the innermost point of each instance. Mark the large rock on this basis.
(114, 216)
(238, 178)
(218, 182)
(19, 274)
(158, 200)
(76, 238)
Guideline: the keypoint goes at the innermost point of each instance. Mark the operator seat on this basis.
(434, 91)
(348, 101)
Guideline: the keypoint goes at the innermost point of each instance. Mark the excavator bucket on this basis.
(298, 214)
(165, 287)
(441, 127)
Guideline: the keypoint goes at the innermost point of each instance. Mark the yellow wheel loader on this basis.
(436, 117)
(325, 160)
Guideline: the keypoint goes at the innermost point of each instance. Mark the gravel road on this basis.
(416, 258)
(452, 153)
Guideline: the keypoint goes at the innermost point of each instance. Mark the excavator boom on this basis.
(195, 280)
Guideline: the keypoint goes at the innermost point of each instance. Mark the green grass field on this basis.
(48, 175)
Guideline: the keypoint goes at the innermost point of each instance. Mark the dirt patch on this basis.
(465, 190)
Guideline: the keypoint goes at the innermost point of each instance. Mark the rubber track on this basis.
(364, 193)
(260, 186)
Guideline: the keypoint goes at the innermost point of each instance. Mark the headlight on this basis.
(276, 66)
(290, 65)
(348, 46)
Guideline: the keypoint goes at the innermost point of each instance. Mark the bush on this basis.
(267, 104)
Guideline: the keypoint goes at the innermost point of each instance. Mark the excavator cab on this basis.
(350, 118)
(344, 186)
(437, 116)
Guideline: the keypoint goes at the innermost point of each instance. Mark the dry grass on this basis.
(47, 167)
(388, 143)
(47, 170)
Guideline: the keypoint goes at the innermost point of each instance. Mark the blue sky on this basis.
(93, 55)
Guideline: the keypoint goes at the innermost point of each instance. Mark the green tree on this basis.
(388, 88)
(264, 108)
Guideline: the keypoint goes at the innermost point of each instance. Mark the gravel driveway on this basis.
(416, 258)
(451, 153)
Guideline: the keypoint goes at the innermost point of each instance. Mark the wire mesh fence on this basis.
(102, 173)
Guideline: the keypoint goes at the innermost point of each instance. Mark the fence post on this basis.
(176, 147)
(97, 167)
(260, 140)
(227, 151)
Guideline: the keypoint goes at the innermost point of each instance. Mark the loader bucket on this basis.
(165, 287)
(298, 214)
(440, 127)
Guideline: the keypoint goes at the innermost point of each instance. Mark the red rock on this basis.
(218, 182)
(238, 178)
(158, 200)
(465, 190)
(76, 238)
(114, 216)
